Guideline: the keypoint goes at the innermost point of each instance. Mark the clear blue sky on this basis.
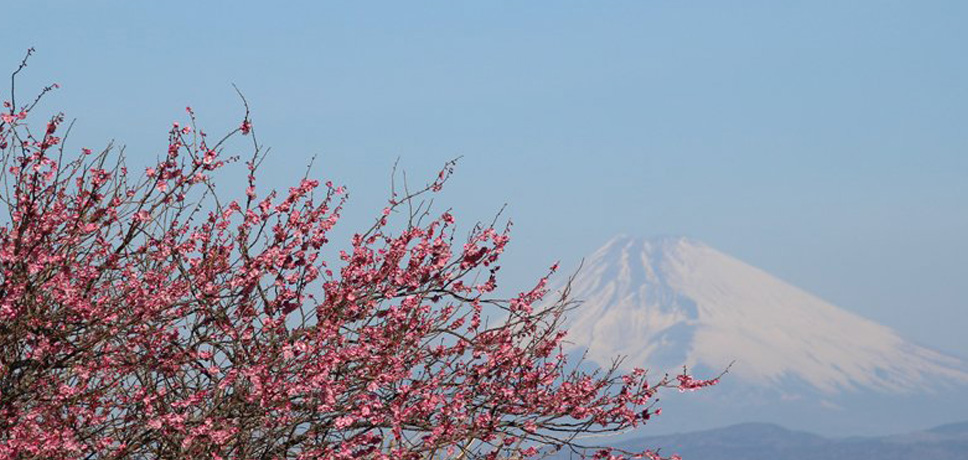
(824, 141)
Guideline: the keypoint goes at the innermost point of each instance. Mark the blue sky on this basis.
(823, 141)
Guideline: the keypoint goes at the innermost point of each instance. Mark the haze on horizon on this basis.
(822, 141)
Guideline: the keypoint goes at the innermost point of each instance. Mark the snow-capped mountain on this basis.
(664, 303)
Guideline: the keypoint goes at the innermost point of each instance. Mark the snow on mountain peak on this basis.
(673, 301)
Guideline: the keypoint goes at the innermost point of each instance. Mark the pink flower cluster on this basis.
(140, 317)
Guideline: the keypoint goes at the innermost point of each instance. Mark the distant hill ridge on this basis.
(765, 441)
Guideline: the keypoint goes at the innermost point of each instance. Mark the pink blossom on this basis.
(158, 326)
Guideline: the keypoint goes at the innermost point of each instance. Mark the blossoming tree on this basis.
(141, 316)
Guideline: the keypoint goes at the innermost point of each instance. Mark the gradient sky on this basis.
(823, 141)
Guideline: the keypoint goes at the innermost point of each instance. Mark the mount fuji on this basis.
(668, 302)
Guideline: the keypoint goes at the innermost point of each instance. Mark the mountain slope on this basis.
(761, 441)
(667, 302)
